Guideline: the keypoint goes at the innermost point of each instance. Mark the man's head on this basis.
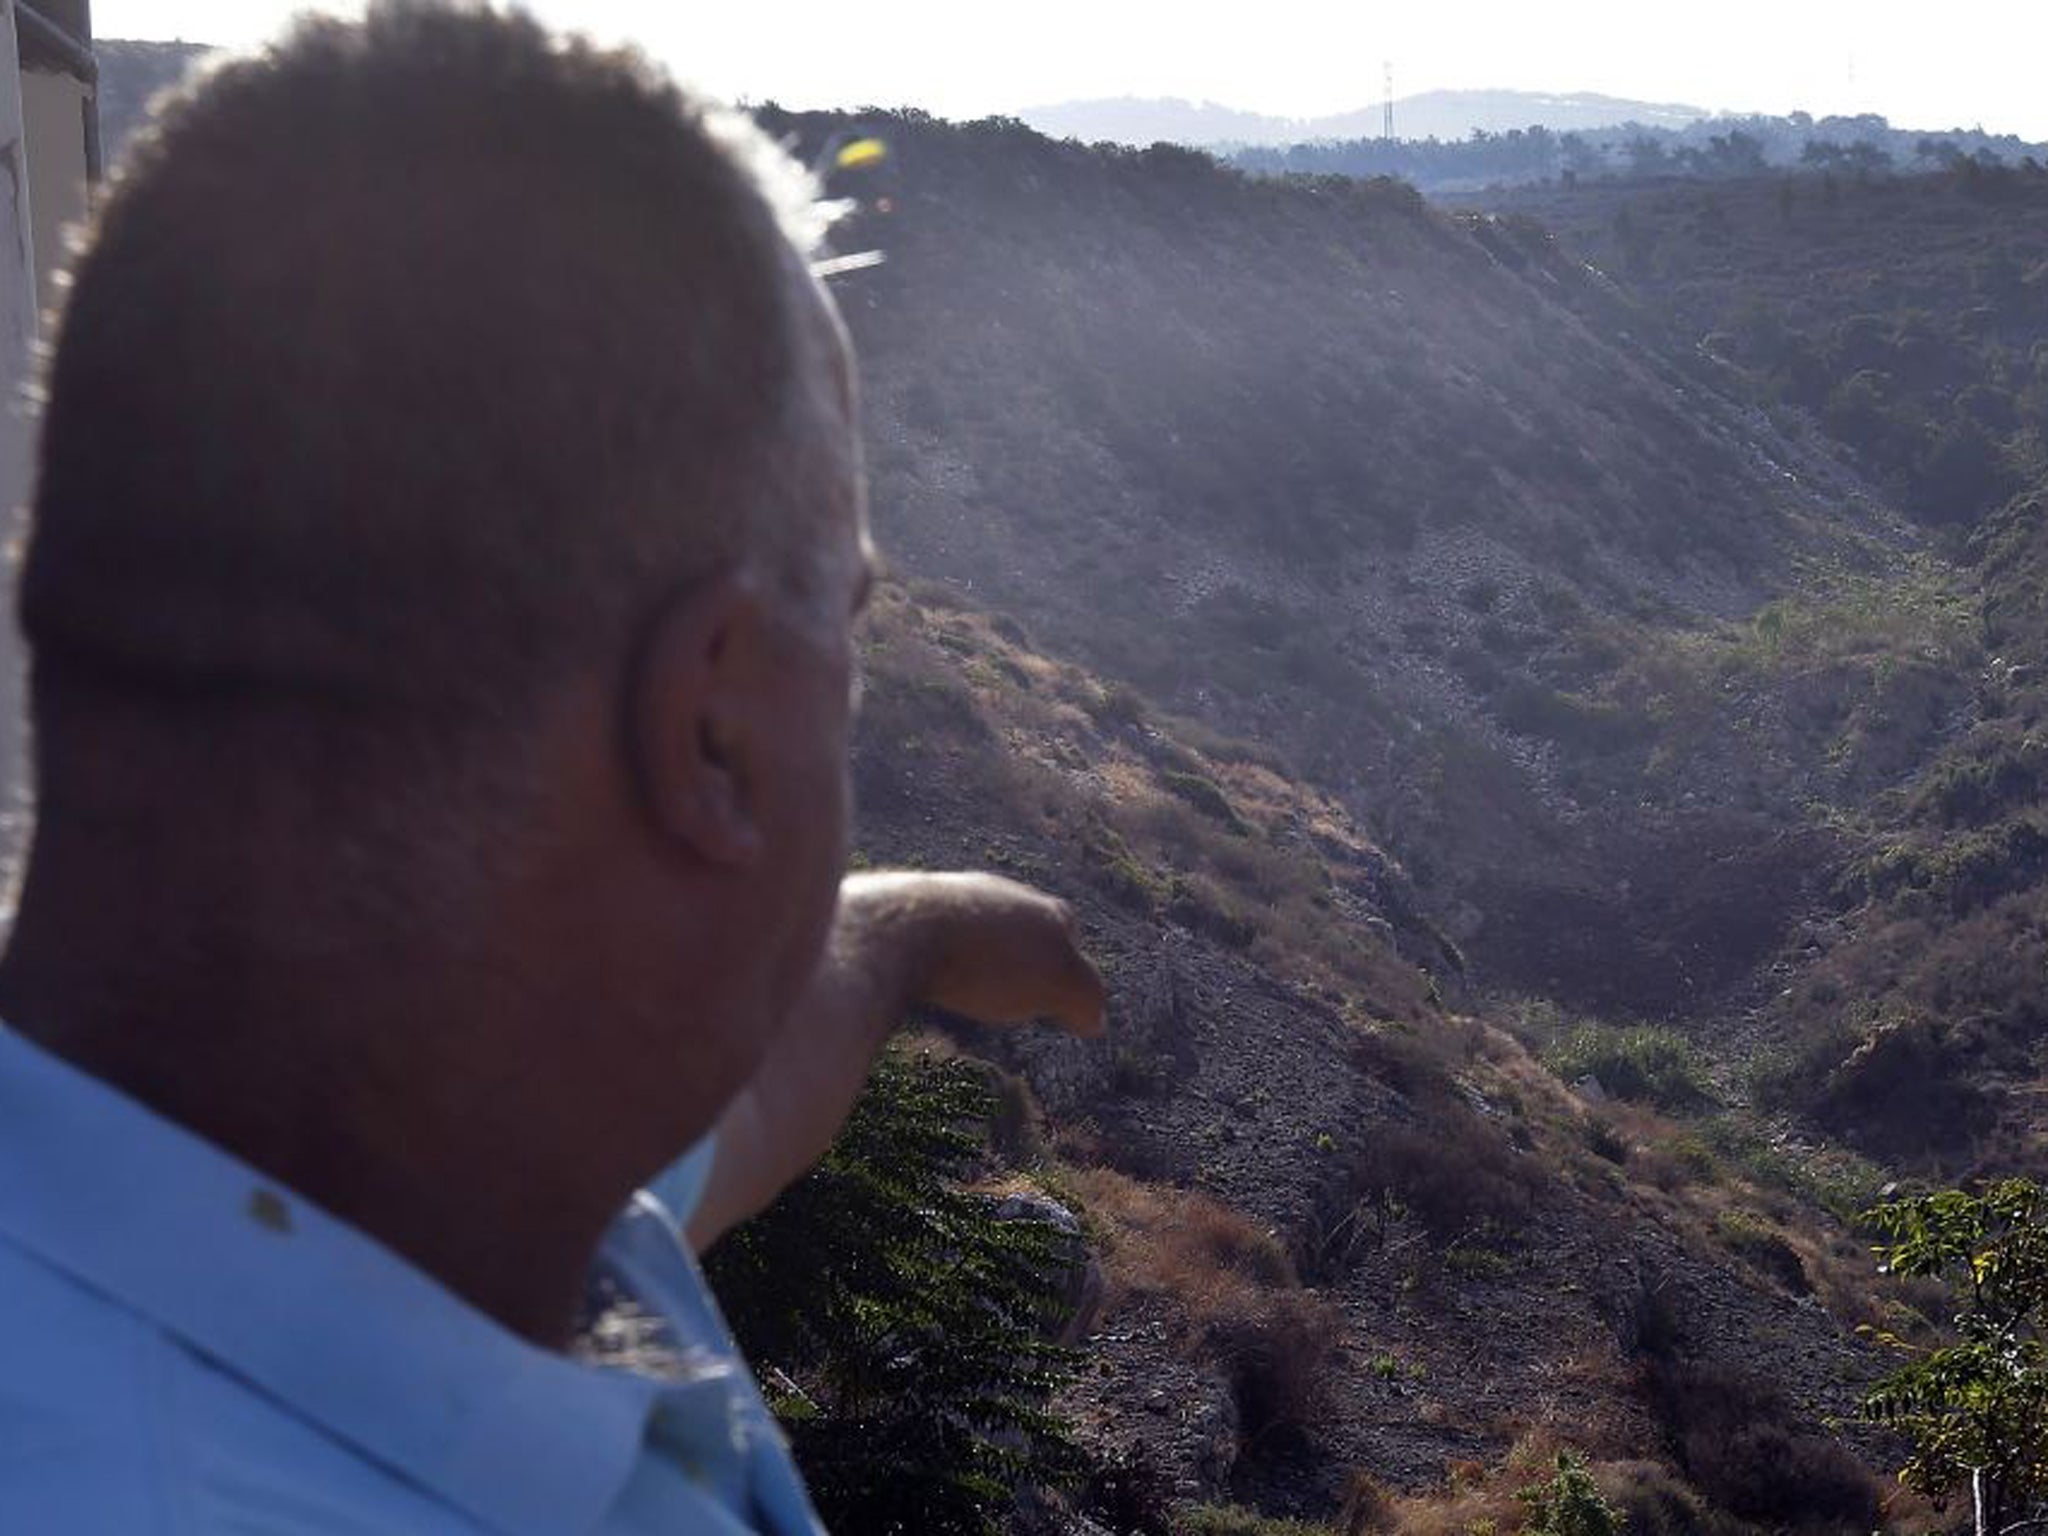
(443, 429)
(418, 358)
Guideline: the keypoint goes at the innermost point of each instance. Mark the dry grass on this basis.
(1694, 1184)
(1086, 784)
(1241, 1302)
(1472, 1498)
(1182, 1243)
(1455, 1170)
(1745, 1446)
(1717, 1181)
(1651, 1497)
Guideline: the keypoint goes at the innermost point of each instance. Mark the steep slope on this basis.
(1547, 627)
(1909, 313)
(1353, 478)
(1349, 1234)
(1919, 1026)
(1909, 317)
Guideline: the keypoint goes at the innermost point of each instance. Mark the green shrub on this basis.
(1693, 1156)
(1120, 873)
(1590, 725)
(2002, 775)
(1204, 796)
(1605, 1142)
(1472, 1261)
(1960, 874)
(1569, 1504)
(1643, 1062)
(1235, 1520)
(912, 1325)
(1198, 903)
(1764, 1247)
(1843, 1181)
(1117, 706)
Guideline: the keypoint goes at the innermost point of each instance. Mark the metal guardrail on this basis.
(74, 51)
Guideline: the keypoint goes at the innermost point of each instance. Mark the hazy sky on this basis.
(1923, 65)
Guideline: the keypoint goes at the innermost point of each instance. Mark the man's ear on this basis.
(694, 726)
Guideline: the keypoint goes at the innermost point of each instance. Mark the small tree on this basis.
(1976, 1409)
(1570, 1503)
(906, 1326)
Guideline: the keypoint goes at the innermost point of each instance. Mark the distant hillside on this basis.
(1426, 115)
(1908, 314)
(1459, 114)
(131, 73)
(1161, 120)
(1705, 148)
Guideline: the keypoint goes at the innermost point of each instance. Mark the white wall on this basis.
(18, 305)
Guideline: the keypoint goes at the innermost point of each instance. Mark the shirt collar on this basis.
(313, 1312)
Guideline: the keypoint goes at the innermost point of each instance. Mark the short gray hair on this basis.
(413, 359)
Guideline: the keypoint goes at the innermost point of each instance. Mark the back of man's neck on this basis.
(344, 1099)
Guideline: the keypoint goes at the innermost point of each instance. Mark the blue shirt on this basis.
(188, 1347)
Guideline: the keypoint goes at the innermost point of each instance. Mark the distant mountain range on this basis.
(1450, 144)
(1427, 115)
(133, 72)
(1708, 148)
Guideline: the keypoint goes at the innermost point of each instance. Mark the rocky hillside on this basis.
(1419, 667)
(1378, 486)
(1359, 1245)
(1910, 318)
(1909, 314)
(1657, 692)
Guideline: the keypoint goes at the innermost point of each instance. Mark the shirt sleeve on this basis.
(679, 1188)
